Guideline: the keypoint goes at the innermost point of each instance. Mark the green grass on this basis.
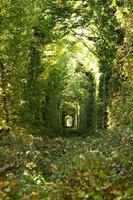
(66, 168)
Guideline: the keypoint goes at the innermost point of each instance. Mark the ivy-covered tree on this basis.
(120, 108)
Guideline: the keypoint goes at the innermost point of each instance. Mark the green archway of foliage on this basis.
(41, 40)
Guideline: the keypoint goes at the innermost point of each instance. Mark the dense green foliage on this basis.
(62, 60)
(43, 41)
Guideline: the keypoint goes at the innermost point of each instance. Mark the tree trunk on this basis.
(4, 94)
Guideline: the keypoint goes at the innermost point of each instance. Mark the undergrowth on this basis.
(66, 168)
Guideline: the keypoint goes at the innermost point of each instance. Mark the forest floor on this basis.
(66, 168)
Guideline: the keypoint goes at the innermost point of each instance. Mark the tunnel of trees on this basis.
(66, 105)
(66, 51)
